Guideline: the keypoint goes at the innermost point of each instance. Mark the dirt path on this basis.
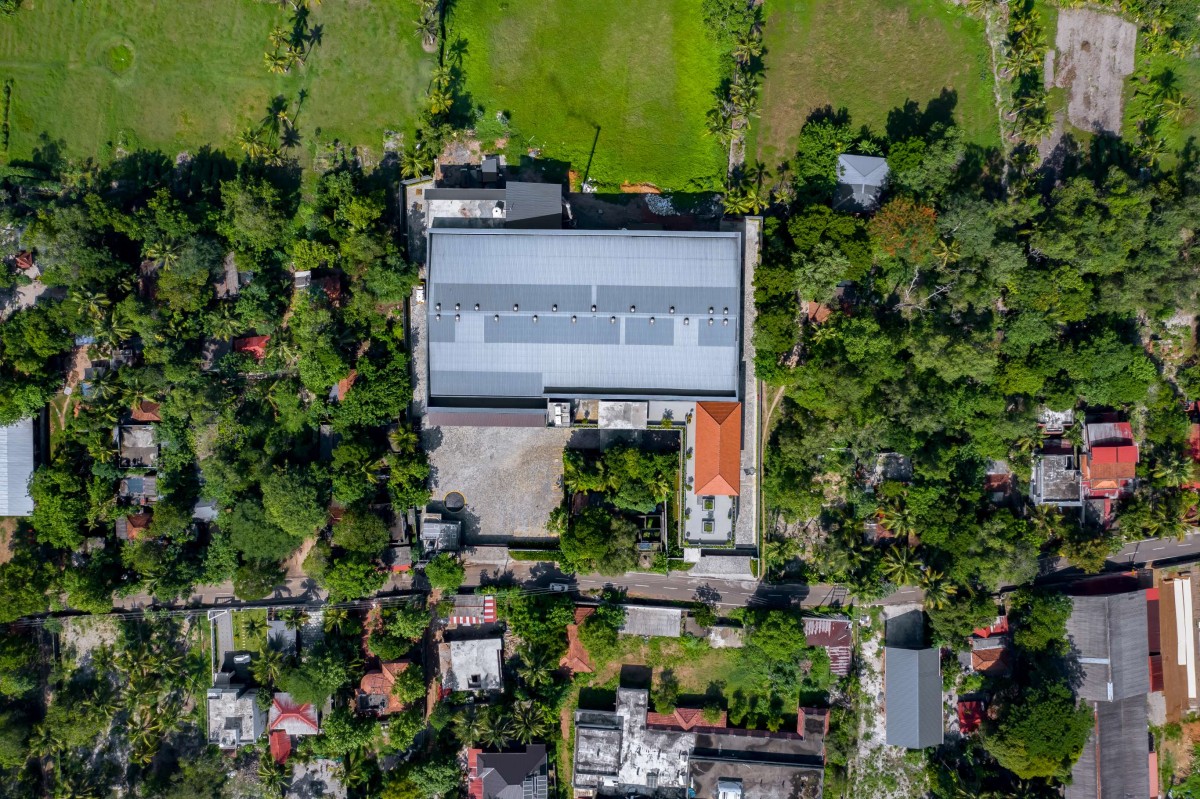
(765, 436)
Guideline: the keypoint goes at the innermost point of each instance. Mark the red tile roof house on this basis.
(718, 448)
(970, 716)
(577, 659)
(255, 345)
(836, 636)
(1110, 467)
(145, 412)
(686, 719)
(289, 719)
(133, 526)
(374, 693)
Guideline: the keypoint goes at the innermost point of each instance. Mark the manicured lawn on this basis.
(641, 74)
(95, 75)
(870, 56)
(245, 639)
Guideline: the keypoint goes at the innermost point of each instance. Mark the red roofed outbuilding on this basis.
(718, 451)
(255, 345)
(970, 716)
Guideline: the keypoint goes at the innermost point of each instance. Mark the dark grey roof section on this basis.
(1108, 635)
(761, 767)
(464, 194)
(511, 315)
(861, 179)
(533, 205)
(514, 775)
(913, 693)
(16, 468)
(1115, 763)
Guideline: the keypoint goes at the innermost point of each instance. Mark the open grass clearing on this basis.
(93, 77)
(634, 81)
(870, 57)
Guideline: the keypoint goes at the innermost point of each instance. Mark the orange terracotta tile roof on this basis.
(344, 384)
(576, 659)
(146, 412)
(381, 682)
(990, 661)
(583, 613)
(24, 259)
(255, 345)
(281, 746)
(684, 718)
(718, 451)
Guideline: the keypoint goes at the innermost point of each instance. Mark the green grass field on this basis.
(870, 56)
(642, 74)
(96, 75)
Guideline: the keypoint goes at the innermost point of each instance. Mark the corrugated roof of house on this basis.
(292, 717)
(718, 454)
(1108, 634)
(16, 467)
(1115, 763)
(913, 696)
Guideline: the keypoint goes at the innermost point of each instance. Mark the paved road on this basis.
(677, 586)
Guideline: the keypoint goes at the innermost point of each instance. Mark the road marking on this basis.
(638, 585)
(1155, 549)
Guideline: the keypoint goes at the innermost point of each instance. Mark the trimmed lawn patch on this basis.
(245, 638)
(870, 56)
(92, 76)
(634, 79)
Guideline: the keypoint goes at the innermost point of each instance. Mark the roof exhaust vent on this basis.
(496, 318)
(457, 317)
(554, 307)
(651, 320)
(456, 306)
(612, 320)
(593, 309)
(686, 321)
(672, 309)
(633, 309)
(572, 320)
(516, 307)
(535, 319)
(477, 306)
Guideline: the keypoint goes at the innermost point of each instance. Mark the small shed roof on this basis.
(861, 178)
(532, 205)
(913, 692)
(16, 467)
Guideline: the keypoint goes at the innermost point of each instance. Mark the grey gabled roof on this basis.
(16, 467)
(514, 775)
(552, 344)
(913, 696)
(1115, 763)
(1108, 635)
(532, 205)
(861, 179)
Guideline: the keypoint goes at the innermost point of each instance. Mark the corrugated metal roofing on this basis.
(532, 204)
(16, 467)
(913, 692)
(1108, 634)
(866, 170)
(1115, 763)
(510, 314)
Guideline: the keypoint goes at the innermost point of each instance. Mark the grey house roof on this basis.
(514, 775)
(1108, 636)
(473, 665)
(535, 335)
(16, 467)
(1115, 763)
(532, 205)
(651, 621)
(861, 179)
(913, 692)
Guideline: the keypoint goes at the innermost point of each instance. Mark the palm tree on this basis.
(355, 769)
(252, 143)
(900, 566)
(528, 722)
(45, 742)
(717, 124)
(470, 725)
(946, 252)
(279, 37)
(256, 626)
(163, 250)
(428, 26)
(441, 76)
(536, 668)
(897, 519)
(224, 324)
(415, 162)
(277, 63)
(747, 46)
(440, 102)
(496, 730)
(335, 619)
(268, 666)
(1173, 469)
(270, 775)
(92, 305)
(938, 592)
(295, 618)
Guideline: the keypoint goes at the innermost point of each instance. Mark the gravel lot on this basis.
(511, 478)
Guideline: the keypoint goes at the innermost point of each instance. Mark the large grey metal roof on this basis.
(1108, 636)
(1115, 763)
(535, 334)
(913, 692)
(16, 467)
